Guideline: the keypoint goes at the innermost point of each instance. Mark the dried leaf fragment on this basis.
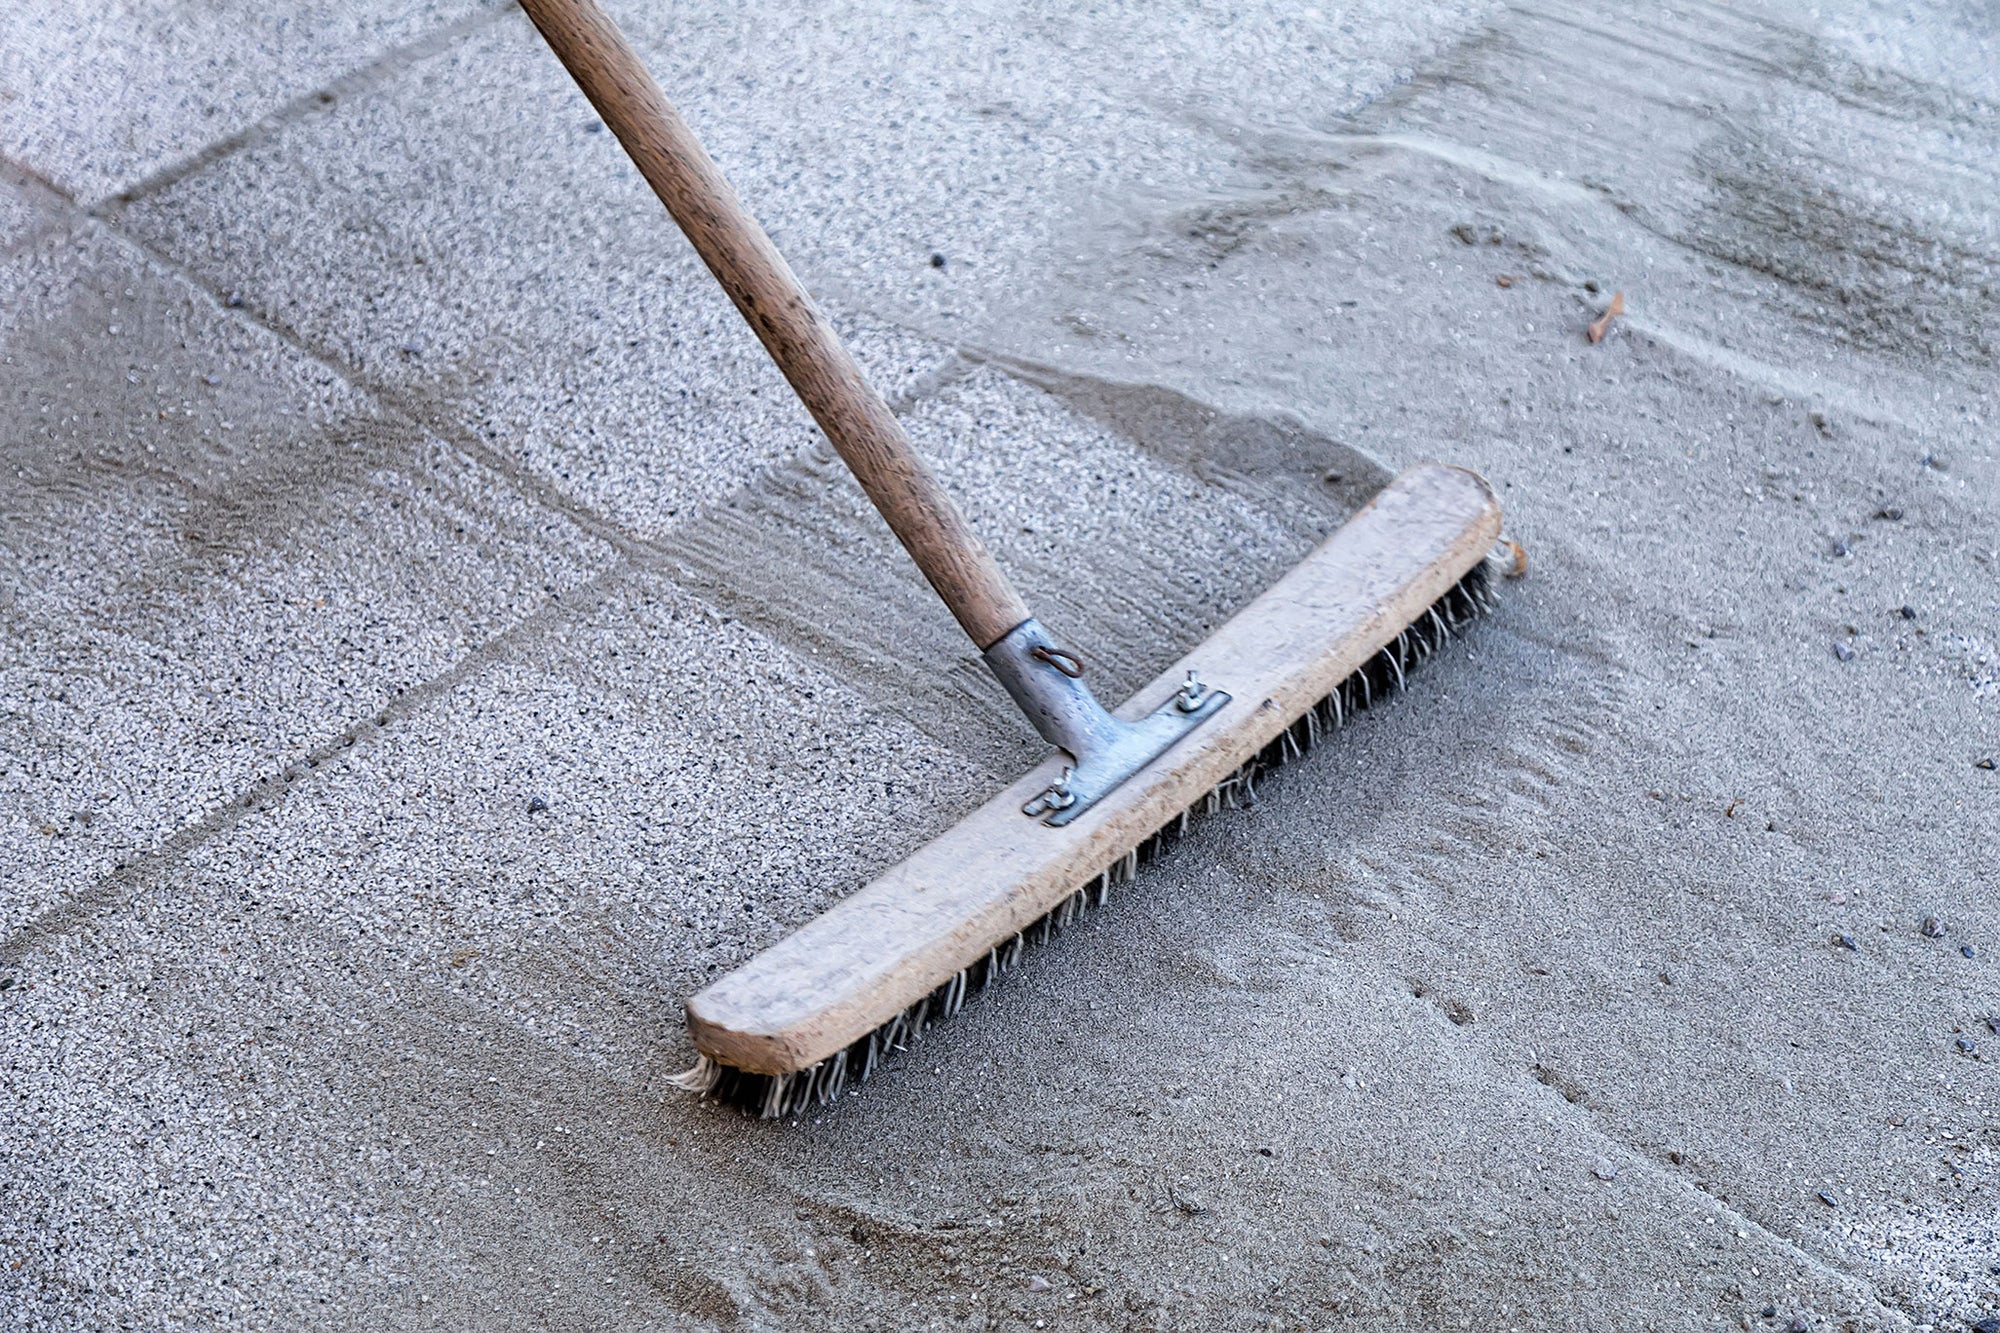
(1602, 324)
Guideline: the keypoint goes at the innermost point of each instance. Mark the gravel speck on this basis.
(1827, 1199)
(1967, 1046)
(536, 805)
(1933, 928)
(1606, 1169)
(1036, 1282)
(938, 260)
(1845, 941)
(1968, 951)
(1843, 652)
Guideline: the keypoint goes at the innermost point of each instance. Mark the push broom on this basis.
(822, 1008)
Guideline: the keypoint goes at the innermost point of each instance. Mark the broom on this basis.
(821, 1009)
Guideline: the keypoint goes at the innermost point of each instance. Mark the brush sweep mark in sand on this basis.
(819, 1010)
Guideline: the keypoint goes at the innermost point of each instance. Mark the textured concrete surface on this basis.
(98, 97)
(434, 643)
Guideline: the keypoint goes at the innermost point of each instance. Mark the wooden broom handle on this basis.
(767, 294)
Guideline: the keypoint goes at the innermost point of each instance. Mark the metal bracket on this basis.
(1046, 680)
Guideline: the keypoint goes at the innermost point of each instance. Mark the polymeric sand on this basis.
(434, 645)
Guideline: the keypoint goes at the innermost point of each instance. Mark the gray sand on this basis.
(434, 643)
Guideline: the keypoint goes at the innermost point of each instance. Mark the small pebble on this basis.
(938, 260)
(536, 805)
(1770, 1312)
(1840, 548)
(211, 380)
(1967, 1046)
(1799, 1324)
(1908, 613)
(594, 127)
(1038, 1283)
(1827, 1199)
(1889, 513)
(1605, 1169)
(1968, 951)
(234, 300)
(1933, 928)
(414, 346)
(1845, 941)
(1988, 764)
(1265, 1152)
(1843, 652)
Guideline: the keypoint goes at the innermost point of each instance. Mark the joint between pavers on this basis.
(322, 98)
(128, 878)
(532, 486)
(1824, 1265)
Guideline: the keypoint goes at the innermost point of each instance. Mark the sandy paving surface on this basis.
(434, 643)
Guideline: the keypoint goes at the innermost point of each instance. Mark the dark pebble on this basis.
(1987, 764)
(1265, 1152)
(1908, 613)
(1845, 941)
(1799, 1324)
(1933, 928)
(1827, 1199)
(1840, 548)
(536, 805)
(1967, 1046)
(1770, 1312)
(1890, 513)
(595, 127)
(938, 260)
(1968, 951)
(234, 300)
(1843, 652)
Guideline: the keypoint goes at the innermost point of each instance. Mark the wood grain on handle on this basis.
(821, 370)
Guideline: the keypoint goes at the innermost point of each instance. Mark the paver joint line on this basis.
(307, 103)
(121, 884)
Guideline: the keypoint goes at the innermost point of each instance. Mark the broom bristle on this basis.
(773, 1095)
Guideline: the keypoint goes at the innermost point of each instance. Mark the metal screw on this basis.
(1057, 797)
(1192, 693)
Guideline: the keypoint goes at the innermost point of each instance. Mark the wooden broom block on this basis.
(997, 871)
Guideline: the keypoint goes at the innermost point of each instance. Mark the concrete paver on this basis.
(465, 238)
(221, 558)
(96, 96)
(1529, 1000)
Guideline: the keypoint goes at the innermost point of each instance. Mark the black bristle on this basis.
(772, 1096)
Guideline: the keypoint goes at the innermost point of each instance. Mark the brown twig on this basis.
(1602, 324)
